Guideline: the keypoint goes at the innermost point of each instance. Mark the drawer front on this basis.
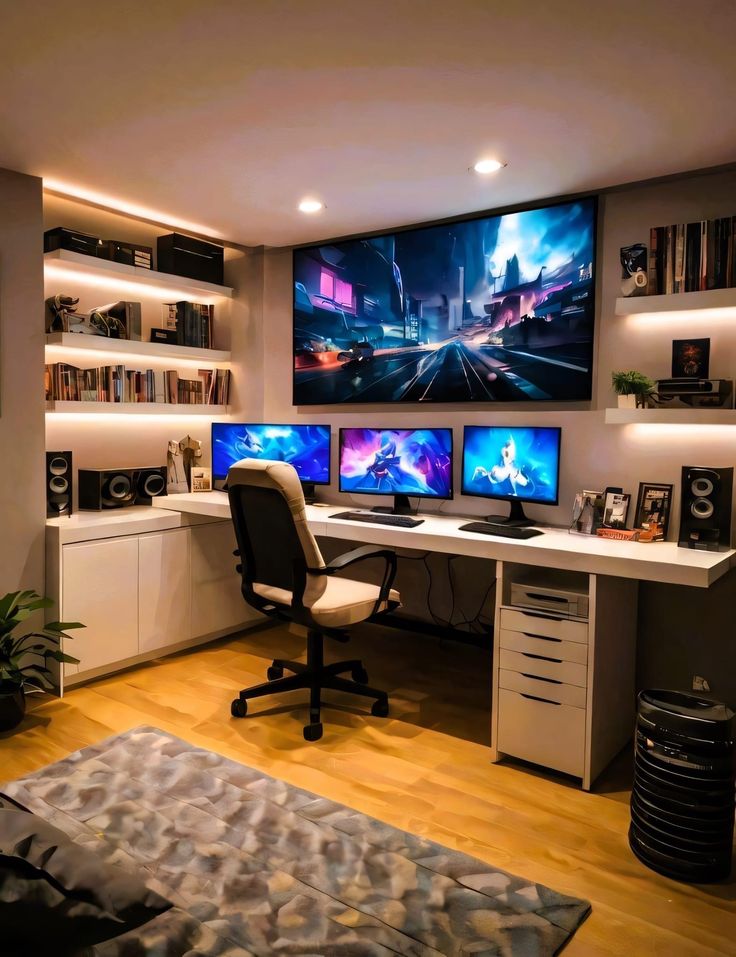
(540, 623)
(545, 733)
(545, 646)
(542, 688)
(568, 672)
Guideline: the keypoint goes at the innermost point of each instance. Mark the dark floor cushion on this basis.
(56, 897)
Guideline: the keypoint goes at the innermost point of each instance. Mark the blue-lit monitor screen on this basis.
(510, 462)
(414, 462)
(306, 447)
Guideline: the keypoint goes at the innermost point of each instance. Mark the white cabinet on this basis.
(217, 602)
(100, 589)
(164, 593)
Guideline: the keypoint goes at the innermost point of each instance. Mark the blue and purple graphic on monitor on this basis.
(413, 462)
(512, 463)
(306, 447)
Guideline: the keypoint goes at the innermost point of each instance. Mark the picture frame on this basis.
(690, 358)
(615, 508)
(587, 512)
(653, 507)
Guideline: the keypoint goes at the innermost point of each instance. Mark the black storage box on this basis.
(184, 256)
(71, 239)
(132, 254)
(166, 336)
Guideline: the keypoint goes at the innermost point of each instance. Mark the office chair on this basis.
(285, 577)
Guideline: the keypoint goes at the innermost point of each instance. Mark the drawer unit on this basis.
(568, 672)
(540, 687)
(545, 646)
(541, 731)
(534, 623)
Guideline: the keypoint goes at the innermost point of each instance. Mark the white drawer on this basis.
(546, 646)
(540, 623)
(543, 688)
(568, 672)
(545, 733)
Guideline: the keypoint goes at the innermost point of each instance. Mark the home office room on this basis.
(367, 392)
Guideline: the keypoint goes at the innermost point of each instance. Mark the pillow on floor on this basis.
(57, 897)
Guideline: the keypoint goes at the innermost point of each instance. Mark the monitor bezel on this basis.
(386, 428)
(277, 425)
(513, 498)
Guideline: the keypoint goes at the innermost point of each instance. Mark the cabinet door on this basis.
(217, 603)
(163, 589)
(100, 589)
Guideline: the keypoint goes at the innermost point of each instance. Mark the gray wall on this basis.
(22, 501)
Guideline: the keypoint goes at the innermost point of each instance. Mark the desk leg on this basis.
(495, 753)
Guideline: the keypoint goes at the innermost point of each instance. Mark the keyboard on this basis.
(376, 518)
(503, 531)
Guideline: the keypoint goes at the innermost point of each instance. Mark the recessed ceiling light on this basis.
(488, 166)
(310, 206)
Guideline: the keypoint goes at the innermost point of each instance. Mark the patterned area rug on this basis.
(255, 866)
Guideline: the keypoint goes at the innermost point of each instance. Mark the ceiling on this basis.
(221, 115)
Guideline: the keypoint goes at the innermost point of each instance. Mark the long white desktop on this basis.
(563, 687)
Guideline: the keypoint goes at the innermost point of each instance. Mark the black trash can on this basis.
(682, 801)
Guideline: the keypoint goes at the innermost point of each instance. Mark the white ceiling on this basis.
(224, 113)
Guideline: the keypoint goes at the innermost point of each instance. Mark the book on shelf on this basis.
(193, 322)
(692, 257)
(116, 383)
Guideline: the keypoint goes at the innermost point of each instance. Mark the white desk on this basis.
(563, 688)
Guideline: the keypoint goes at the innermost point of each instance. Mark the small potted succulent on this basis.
(24, 658)
(632, 388)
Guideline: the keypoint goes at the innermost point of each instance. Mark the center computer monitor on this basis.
(405, 463)
(514, 464)
(306, 447)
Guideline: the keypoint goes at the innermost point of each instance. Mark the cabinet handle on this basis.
(528, 654)
(533, 697)
(552, 681)
(530, 634)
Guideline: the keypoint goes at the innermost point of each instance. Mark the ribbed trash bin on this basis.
(682, 801)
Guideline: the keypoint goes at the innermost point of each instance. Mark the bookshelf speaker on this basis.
(705, 516)
(58, 484)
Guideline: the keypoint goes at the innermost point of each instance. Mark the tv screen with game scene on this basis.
(489, 309)
(411, 462)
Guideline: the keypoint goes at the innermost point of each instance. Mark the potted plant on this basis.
(632, 388)
(23, 659)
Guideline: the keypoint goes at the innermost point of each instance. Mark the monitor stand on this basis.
(309, 494)
(401, 506)
(516, 517)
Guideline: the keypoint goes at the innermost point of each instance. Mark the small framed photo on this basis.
(201, 479)
(615, 509)
(653, 506)
(587, 512)
(690, 358)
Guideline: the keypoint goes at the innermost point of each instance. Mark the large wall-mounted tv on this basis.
(489, 309)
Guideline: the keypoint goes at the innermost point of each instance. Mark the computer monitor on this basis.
(513, 464)
(306, 447)
(405, 463)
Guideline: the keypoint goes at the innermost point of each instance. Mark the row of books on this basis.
(192, 322)
(67, 383)
(688, 257)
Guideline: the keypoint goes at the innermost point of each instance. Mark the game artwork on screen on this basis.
(511, 463)
(395, 461)
(306, 447)
(499, 308)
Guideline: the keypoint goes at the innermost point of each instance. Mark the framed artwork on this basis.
(690, 358)
(653, 505)
(615, 509)
(587, 512)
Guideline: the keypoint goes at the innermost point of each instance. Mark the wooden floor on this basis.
(424, 769)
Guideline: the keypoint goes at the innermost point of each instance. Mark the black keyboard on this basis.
(376, 518)
(503, 531)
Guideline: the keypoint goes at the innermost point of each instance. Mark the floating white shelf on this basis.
(125, 348)
(670, 417)
(135, 408)
(677, 302)
(115, 272)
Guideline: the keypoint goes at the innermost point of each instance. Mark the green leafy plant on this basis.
(631, 383)
(23, 659)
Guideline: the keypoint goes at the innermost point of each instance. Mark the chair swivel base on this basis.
(315, 676)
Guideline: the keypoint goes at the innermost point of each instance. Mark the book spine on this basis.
(679, 277)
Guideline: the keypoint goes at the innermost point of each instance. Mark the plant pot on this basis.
(12, 709)
(627, 401)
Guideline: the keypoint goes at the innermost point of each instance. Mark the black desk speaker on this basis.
(118, 488)
(705, 515)
(58, 484)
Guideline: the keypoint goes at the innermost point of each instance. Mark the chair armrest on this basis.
(356, 555)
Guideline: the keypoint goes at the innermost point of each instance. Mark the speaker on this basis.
(705, 516)
(118, 488)
(58, 484)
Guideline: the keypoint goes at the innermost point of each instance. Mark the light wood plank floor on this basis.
(424, 769)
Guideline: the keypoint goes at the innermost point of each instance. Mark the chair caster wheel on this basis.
(380, 708)
(238, 708)
(274, 672)
(313, 732)
(360, 675)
